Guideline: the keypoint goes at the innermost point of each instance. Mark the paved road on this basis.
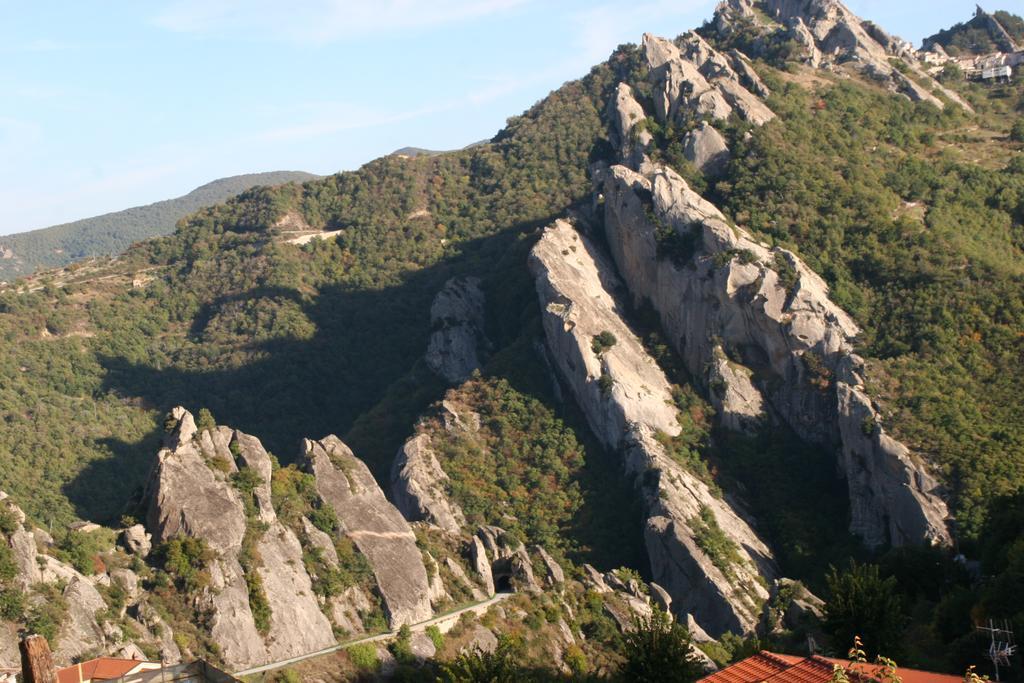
(439, 621)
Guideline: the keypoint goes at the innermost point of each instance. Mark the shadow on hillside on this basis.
(105, 490)
(366, 341)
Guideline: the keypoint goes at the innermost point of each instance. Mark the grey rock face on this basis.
(253, 456)
(738, 403)
(787, 328)
(574, 282)
(187, 497)
(554, 575)
(136, 540)
(190, 493)
(79, 632)
(457, 317)
(660, 597)
(481, 564)
(345, 609)
(576, 289)
(297, 626)
(705, 148)
(418, 487)
(482, 640)
(626, 114)
(375, 526)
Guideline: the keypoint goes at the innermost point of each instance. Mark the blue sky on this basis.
(106, 105)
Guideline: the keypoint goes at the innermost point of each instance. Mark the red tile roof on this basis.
(768, 667)
(100, 669)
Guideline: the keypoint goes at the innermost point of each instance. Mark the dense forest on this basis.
(107, 235)
(913, 215)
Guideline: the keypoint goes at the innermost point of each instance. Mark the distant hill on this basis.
(413, 152)
(24, 253)
(984, 33)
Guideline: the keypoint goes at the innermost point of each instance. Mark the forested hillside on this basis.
(24, 253)
(978, 36)
(911, 212)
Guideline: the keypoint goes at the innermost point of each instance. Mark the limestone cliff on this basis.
(627, 400)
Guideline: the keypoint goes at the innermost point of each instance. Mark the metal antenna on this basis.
(1002, 645)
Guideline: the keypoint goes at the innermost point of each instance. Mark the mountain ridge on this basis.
(704, 320)
(107, 234)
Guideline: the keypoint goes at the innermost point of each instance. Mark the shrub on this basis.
(863, 604)
(204, 420)
(185, 559)
(724, 553)
(436, 637)
(364, 656)
(659, 649)
(602, 342)
(1017, 130)
(401, 646)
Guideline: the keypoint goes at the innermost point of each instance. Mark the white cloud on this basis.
(322, 21)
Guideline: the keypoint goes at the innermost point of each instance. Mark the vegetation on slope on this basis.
(975, 37)
(278, 340)
(112, 233)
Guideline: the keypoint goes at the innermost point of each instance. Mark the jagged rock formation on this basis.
(626, 400)
(417, 487)
(81, 630)
(375, 526)
(190, 494)
(770, 316)
(831, 34)
(698, 80)
(758, 326)
(457, 319)
(705, 148)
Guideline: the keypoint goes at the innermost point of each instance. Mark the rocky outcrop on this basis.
(705, 148)
(136, 540)
(375, 526)
(742, 310)
(79, 632)
(619, 386)
(627, 400)
(553, 573)
(81, 629)
(628, 134)
(190, 493)
(481, 564)
(830, 35)
(697, 81)
(418, 487)
(187, 497)
(457, 320)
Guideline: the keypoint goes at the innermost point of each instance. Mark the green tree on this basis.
(602, 342)
(862, 604)
(659, 649)
(477, 666)
(1017, 130)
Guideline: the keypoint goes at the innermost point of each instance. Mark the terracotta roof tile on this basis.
(776, 668)
(100, 669)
